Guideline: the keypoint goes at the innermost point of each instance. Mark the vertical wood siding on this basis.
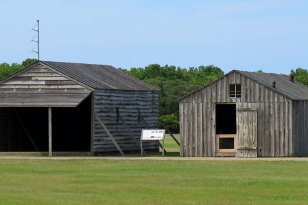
(246, 119)
(274, 115)
(133, 108)
(300, 128)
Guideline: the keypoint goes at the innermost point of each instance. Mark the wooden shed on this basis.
(246, 114)
(60, 107)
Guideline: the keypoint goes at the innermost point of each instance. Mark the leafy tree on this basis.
(173, 83)
(301, 75)
(7, 70)
(171, 121)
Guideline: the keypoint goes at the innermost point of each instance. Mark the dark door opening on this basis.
(225, 119)
(226, 129)
(26, 129)
(71, 128)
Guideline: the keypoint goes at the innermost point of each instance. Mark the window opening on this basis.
(235, 91)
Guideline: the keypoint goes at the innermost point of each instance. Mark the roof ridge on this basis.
(100, 76)
(263, 72)
(77, 63)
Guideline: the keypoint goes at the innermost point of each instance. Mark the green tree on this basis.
(7, 70)
(301, 75)
(173, 83)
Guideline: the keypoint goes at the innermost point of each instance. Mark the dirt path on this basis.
(158, 158)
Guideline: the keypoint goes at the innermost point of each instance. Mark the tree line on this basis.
(173, 83)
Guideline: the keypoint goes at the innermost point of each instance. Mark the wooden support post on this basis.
(170, 133)
(49, 131)
(141, 148)
(92, 123)
(162, 146)
(109, 134)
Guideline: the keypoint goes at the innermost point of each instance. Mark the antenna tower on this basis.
(36, 39)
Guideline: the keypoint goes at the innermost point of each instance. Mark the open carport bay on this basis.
(25, 129)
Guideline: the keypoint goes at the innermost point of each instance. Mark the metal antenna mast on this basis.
(36, 39)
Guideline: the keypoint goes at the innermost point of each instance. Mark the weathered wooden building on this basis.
(56, 106)
(246, 114)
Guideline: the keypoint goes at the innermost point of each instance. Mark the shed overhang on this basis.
(42, 99)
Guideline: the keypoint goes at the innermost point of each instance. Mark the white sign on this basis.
(153, 134)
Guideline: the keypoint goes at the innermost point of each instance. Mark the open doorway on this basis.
(25, 129)
(226, 129)
(71, 128)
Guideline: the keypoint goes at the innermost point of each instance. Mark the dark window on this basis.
(226, 143)
(235, 90)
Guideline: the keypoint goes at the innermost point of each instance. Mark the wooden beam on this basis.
(162, 147)
(92, 123)
(170, 133)
(26, 130)
(50, 131)
(109, 134)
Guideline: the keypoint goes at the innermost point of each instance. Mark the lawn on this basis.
(171, 145)
(111, 181)
(172, 148)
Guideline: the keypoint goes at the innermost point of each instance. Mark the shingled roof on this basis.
(99, 76)
(293, 90)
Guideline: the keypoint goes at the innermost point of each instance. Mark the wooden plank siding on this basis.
(246, 129)
(300, 128)
(40, 86)
(274, 116)
(139, 110)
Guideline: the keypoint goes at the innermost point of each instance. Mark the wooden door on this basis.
(246, 130)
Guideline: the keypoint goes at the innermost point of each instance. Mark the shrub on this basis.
(171, 122)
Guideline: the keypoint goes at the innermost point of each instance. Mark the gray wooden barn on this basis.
(56, 106)
(246, 114)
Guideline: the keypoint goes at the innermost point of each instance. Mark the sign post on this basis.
(153, 135)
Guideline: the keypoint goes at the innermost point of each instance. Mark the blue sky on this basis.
(270, 35)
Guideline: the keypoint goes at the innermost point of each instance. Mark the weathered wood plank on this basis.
(213, 128)
(50, 131)
(247, 130)
(261, 127)
(186, 131)
(282, 112)
(276, 126)
(130, 105)
(204, 130)
(110, 135)
(272, 124)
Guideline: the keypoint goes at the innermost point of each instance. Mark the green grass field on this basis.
(114, 181)
(111, 181)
